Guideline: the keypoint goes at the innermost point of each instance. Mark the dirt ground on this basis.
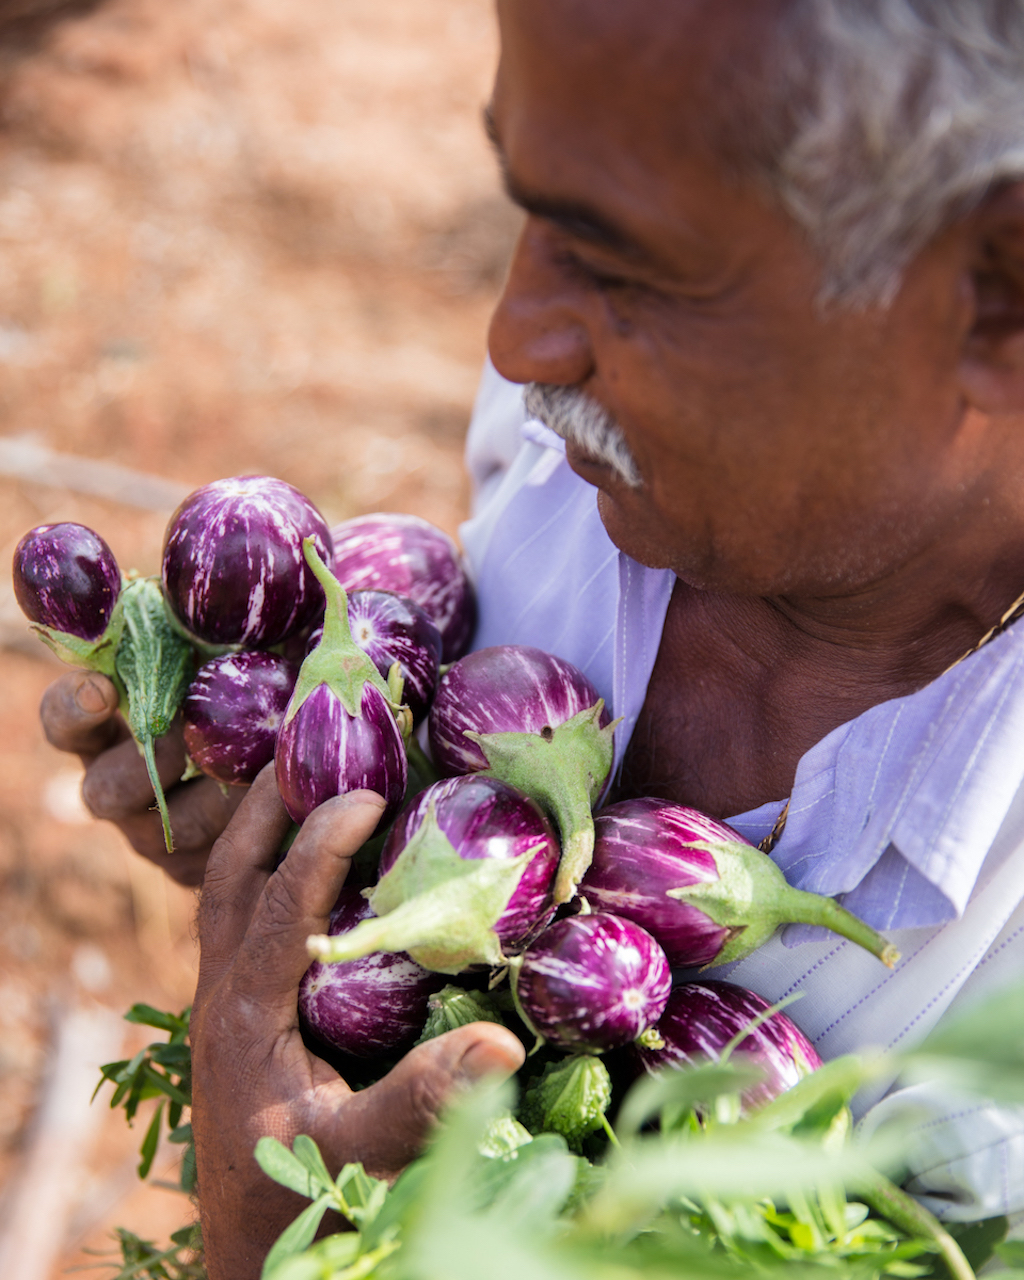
(236, 236)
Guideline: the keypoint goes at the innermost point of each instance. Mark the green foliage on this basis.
(161, 1070)
(142, 1260)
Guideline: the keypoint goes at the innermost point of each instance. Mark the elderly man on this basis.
(769, 302)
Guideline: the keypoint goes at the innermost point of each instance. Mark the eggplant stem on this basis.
(158, 790)
(826, 911)
(903, 1211)
(576, 827)
(610, 1132)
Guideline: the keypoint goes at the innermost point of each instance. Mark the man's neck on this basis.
(743, 687)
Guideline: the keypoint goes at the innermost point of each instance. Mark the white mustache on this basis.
(571, 414)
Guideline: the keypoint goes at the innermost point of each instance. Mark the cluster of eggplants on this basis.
(535, 721)
(236, 583)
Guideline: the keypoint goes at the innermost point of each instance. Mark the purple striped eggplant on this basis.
(414, 559)
(391, 629)
(485, 818)
(367, 1007)
(233, 567)
(702, 1019)
(466, 873)
(707, 895)
(534, 721)
(340, 731)
(232, 713)
(66, 579)
(592, 982)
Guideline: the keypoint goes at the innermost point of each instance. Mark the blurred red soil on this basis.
(235, 236)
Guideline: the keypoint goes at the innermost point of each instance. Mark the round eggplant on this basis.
(485, 818)
(233, 711)
(66, 578)
(414, 559)
(233, 566)
(371, 1006)
(592, 982)
(702, 1018)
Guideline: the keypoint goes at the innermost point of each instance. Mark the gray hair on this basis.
(886, 120)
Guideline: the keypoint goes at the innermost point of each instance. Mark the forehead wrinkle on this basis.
(575, 217)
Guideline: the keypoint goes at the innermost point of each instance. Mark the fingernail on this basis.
(489, 1057)
(90, 698)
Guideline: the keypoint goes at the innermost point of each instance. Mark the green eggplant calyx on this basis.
(337, 661)
(454, 1007)
(570, 1098)
(154, 665)
(751, 899)
(438, 907)
(564, 769)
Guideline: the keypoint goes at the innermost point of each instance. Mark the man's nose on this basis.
(538, 332)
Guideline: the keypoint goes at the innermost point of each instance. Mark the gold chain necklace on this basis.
(1015, 611)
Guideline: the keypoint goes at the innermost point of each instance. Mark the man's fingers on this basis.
(238, 869)
(199, 811)
(386, 1125)
(116, 784)
(79, 714)
(299, 896)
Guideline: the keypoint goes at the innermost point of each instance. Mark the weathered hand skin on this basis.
(252, 1073)
(80, 716)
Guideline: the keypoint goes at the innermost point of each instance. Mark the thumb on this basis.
(390, 1122)
(78, 713)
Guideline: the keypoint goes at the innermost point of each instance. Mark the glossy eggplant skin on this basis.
(702, 1017)
(413, 558)
(389, 629)
(643, 848)
(233, 711)
(508, 688)
(66, 578)
(485, 818)
(593, 982)
(322, 752)
(233, 567)
(368, 1007)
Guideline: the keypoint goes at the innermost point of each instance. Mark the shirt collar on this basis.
(896, 810)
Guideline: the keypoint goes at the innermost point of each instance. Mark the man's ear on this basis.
(992, 369)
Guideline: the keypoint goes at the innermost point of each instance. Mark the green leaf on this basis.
(147, 1016)
(1011, 1252)
(294, 1238)
(285, 1167)
(150, 1143)
(687, 1087)
(308, 1155)
(360, 1196)
(438, 907)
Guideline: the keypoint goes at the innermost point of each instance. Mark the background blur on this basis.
(235, 236)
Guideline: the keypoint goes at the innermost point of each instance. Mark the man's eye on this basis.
(596, 276)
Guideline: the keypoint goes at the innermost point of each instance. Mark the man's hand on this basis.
(79, 713)
(252, 1074)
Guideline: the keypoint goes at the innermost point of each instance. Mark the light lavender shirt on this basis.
(912, 814)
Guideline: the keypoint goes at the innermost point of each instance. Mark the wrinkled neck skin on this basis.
(744, 685)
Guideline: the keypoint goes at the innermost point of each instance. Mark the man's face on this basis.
(780, 449)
